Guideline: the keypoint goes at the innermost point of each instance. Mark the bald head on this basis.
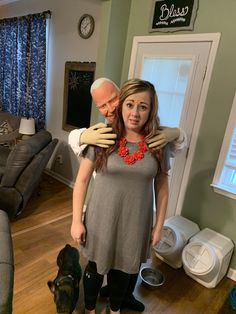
(98, 82)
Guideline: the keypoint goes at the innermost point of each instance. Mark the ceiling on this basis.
(3, 2)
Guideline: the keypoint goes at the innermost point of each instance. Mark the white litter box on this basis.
(206, 258)
(176, 232)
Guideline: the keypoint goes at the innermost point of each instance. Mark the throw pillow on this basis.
(5, 128)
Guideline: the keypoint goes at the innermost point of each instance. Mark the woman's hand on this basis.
(156, 236)
(78, 232)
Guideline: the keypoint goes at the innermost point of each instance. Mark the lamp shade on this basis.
(27, 126)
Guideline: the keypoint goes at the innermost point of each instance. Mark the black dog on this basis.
(65, 286)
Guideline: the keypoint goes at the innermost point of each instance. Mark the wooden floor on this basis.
(44, 228)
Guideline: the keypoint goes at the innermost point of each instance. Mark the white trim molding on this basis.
(224, 177)
(59, 177)
(232, 274)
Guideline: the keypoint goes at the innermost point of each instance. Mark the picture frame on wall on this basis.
(173, 15)
(77, 104)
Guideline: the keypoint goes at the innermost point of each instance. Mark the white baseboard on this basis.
(232, 274)
(59, 177)
(63, 180)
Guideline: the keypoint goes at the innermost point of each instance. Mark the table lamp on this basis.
(27, 127)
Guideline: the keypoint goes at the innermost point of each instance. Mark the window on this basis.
(170, 77)
(23, 66)
(224, 181)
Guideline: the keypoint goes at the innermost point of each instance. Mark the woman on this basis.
(119, 227)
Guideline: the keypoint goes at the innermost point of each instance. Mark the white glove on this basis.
(163, 136)
(99, 135)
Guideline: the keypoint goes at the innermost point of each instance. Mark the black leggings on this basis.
(118, 282)
(132, 283)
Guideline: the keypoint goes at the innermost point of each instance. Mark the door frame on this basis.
(214, 39)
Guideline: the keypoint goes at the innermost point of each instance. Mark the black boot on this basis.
(129, 301)
(132, 304)
(104, 292)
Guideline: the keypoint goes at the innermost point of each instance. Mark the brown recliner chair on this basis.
(21, 169)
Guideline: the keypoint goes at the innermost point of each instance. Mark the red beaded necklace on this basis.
(137, 154)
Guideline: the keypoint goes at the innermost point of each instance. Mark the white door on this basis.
(177, 67)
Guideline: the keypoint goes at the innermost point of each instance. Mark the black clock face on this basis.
(86, 26)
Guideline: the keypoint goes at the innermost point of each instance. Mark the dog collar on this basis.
(64, 278)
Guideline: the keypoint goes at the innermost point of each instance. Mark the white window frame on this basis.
(229, 135)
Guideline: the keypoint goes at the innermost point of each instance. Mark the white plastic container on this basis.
(207, 256)
(176, 232)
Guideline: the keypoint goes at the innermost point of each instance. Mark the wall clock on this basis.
(86, 26)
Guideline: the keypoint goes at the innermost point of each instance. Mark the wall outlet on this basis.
(59, 159)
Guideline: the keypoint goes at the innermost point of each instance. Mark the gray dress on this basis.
(119, 213)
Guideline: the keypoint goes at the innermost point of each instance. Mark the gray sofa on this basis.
(21, 169)
(6, 265)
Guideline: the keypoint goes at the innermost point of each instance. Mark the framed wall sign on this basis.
(173, 15)
(79, 77)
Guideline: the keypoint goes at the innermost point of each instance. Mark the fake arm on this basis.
(177, 138)
(74, 141)
(98, 135)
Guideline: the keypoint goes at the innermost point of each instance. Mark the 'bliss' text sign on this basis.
(173, 15)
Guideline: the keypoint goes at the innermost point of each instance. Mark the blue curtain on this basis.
(23, 66)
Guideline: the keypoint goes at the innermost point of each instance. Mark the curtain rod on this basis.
(44, 14)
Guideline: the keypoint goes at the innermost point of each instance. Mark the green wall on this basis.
(201, 203)
(114, 24)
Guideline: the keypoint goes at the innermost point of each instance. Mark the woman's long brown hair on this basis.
(149, 129)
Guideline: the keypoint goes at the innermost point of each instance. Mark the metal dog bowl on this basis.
(151, 277)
